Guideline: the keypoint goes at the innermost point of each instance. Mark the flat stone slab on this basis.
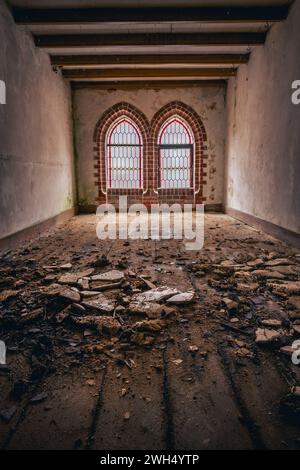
(156, 295)
(110, 276)
(182, 299)
(265, 336)
(101, 303)
(57, 290)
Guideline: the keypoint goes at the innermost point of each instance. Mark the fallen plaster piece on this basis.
(182, 298)
(156, 295)
(101, 304)
(264, 335)
(111, 276)
(272, 323)
(57, 290)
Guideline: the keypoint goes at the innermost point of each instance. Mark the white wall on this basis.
(36, 162)
(263, 141)
(209, 103)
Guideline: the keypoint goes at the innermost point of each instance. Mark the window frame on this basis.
(191, 146)
(108, 154)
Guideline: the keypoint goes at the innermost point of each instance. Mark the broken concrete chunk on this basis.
(84, 283)
(100, 303)
(151, 309)
(177, 362)
(8, 413)
(294, 302)
(66, 266)
(89, 293)
(296, 329)
(57, 290)
(279, 262)
(39, 397)
(153, 326)
(230, 304)
(181, 299)
(102, 286)
(271, 323)
(265, 336)
(286, 287)
(110, 276)
(156, 295)
(7, 294)
(287, 350)
(268, 274)
(255, 263)
(104, 324)
(73, 278)
(28, 317)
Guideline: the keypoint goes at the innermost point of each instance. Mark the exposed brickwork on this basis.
(150, 131)
(102, 126)
(200, 152)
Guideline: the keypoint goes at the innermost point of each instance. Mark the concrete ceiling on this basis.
(193, 46)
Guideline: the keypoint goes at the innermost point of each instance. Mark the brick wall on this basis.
(150, 194)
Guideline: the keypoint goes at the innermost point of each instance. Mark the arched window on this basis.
(124, 152)
(176, 155)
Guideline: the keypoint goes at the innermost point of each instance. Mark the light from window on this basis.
(175, 148)
(124, 163)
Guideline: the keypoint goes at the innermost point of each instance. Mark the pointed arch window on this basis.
(176, 155)
(124, 156)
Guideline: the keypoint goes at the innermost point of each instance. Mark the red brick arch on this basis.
(195, 122)
(101, 128)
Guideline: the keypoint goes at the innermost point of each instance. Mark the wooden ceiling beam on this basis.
(152, 84)
(27, 16)
(140, 59)
(148, 39)
(73, 74)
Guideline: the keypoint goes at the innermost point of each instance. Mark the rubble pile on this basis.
(73, 313)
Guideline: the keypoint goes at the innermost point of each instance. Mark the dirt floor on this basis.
(124, 372)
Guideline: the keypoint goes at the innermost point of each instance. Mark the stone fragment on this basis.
(193, 349)
(28, 317)
(177, 362)
(255, 263)
(182, 298)
(286, 288)
(7, 294)
(272, 323)
(294, 302)
(296, 329)
(66, 266)
(230, 304)
(153, 326)
(39, 397)
(8, 413)
(279, 262)
(57, 290)
(151, 309)
(156, 295)
(110, 276)
(265, 336)
(104, 324)
(101, 304)
(73, 278)
(287, 350)
(268, 274)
